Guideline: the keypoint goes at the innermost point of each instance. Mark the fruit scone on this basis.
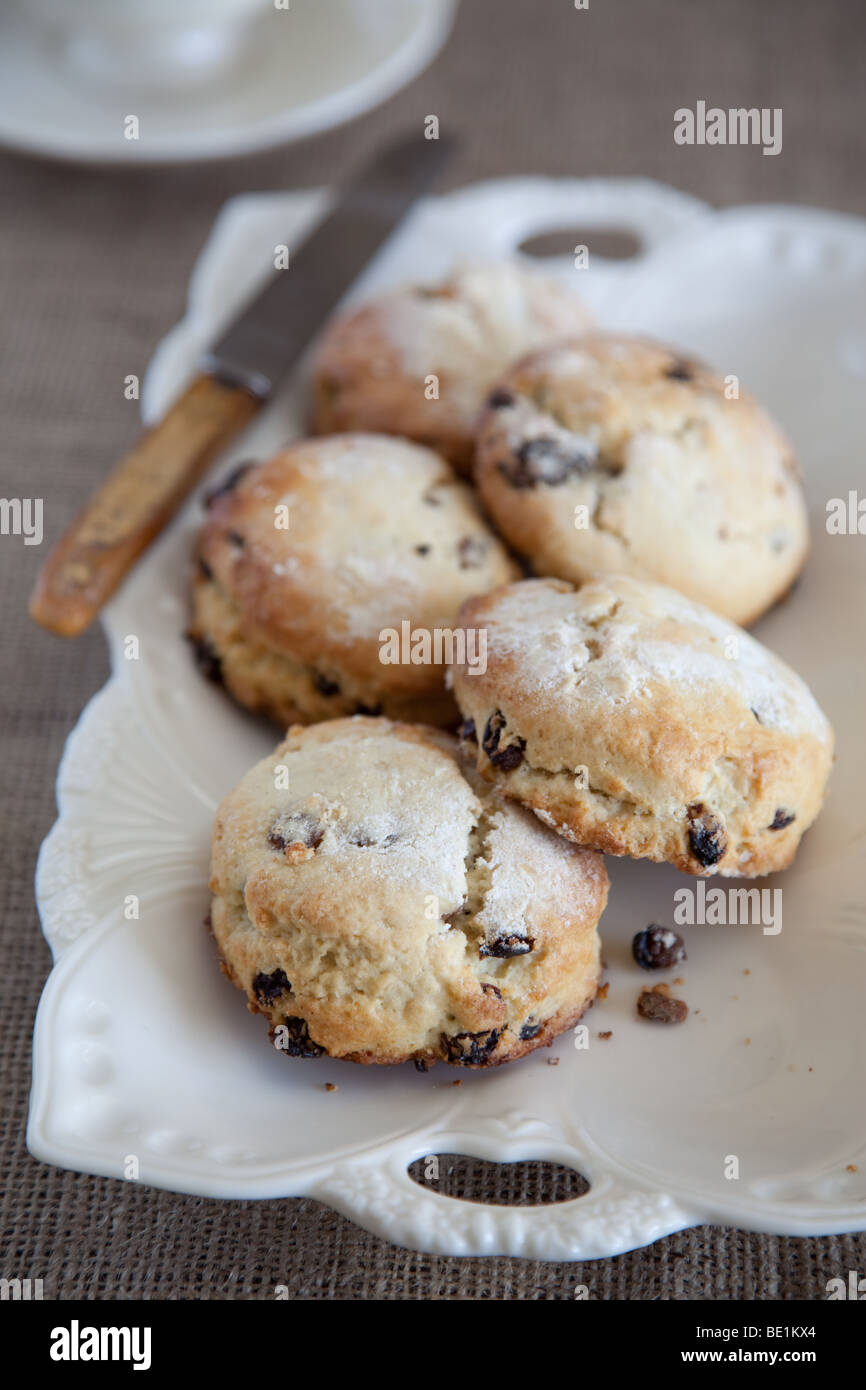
(618, 455)
(636, 722)
(378, 902)
(306, 564)
(419, 360)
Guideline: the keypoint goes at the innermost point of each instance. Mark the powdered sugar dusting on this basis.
(528, 868)
(491, 315)
(363, 539)
(623, 641)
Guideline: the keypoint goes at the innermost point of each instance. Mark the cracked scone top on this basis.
(380, 532)
(389, 906)
(373, 367)
(639, 723)
(617, 455)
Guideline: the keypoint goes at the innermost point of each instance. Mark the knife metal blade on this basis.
(269, 336)
(144, 490)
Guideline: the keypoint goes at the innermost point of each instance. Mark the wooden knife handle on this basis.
(134, 504)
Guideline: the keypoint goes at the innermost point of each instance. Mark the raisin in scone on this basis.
(390, 906)
(639, 723)
(617, 455)
(304, 562)
(418, 361)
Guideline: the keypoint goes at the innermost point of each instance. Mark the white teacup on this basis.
(150, 42)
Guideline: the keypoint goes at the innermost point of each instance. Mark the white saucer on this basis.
(311, 67)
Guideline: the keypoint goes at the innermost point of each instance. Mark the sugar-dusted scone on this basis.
(304, 562)
(390, 906)
(374, 366)
(617, 455)
(637, 722)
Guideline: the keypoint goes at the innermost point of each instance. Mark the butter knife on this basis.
(235, 379)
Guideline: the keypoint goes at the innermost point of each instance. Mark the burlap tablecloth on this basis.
(94, 270)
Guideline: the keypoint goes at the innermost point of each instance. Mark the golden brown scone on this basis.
(380, 532)
(617, 455)
(389, 906)
(372, 370)
(636, 722)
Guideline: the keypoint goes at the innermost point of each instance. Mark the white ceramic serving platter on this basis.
(143, 1050)
(310, 65)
